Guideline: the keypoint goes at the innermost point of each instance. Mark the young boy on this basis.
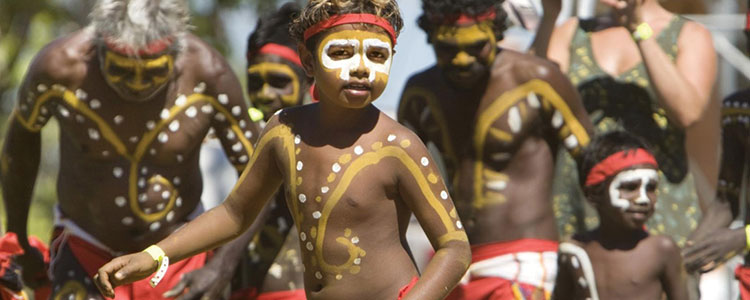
(352, 176)
(620, 260)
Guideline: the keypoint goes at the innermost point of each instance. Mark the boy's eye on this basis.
(279, 81)
(377, 55)
(630, 186)
(652, 186)
(116, 70)
(341, 52)
(159, 71)
(254, 82)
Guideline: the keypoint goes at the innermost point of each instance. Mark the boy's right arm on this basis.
(219, 225)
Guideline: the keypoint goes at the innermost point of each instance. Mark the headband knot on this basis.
(617, 162)
(352, 19)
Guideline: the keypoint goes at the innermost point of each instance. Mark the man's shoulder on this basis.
(524, 67)
(64, 60)
(424, 78)
(202, 60)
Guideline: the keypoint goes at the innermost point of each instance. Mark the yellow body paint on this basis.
(73, 288)
(498, 108)
(432, 103)
(263, 70)
(138, 67)
(465, 36)
(69, 98)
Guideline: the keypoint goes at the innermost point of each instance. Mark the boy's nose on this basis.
(361, 71)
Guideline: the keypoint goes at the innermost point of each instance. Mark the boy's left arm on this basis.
(422, 189)
(674, 276)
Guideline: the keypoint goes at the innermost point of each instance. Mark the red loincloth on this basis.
(488, 282)
(742, 273)
(283, 295)
(10, 283)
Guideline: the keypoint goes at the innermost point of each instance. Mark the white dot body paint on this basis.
(345, 66)
(642, 175)
(514, 120)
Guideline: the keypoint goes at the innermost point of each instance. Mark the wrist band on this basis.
(643, 32)
(161, 258)
(747, 237)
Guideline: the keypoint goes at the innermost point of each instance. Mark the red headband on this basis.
(617, 162)
(747, 20)
(464, 19)
(352, 19)
(280, 50)
(154, 47)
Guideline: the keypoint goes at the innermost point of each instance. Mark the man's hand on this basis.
(32, 267)
(706, 254)
(123, 270)
(627, 12)
(208, 283)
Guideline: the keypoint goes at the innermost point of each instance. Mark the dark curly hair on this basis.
(602, 147)
(438, 12)
(274, 28)
(319, 10)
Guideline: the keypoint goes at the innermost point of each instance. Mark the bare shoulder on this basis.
(207, 63)
(564, 32)
(525, 67)
(64, 60)
(694, 34)
(663, 244)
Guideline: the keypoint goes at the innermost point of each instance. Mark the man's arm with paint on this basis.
(19, 164)
(258, 182)
(423, 191)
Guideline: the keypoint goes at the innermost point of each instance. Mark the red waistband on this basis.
(283, 295)
(490, 250)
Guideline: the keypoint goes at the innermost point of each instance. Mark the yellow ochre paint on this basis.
(432, 103)
(138, 66)
(263, 70)
(467, 35)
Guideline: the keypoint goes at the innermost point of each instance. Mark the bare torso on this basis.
(499, 143)
(129, 171)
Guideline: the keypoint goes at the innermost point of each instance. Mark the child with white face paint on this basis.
(619, 259)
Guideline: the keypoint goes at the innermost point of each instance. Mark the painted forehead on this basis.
(465, 34)
(124, 60)
(355, 34)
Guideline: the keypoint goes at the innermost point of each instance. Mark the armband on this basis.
(161, 258)
(643, 32)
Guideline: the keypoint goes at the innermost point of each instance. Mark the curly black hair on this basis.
(274, 28)
(602, 147)
(319, 10)
(439, 12)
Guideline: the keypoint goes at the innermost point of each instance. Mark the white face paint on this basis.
(644, 176)
(360, 47)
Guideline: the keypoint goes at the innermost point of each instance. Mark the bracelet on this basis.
(747, 237)
(161, 258)
(643, 32)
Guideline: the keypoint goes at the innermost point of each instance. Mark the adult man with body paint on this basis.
(134, 94)
(620, 259)
(497, 117)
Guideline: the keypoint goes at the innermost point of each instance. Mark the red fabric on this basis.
(283, 295)
(244, 294)
(742, 273)
(466, 19)
(155, 47)
(280, 50)
(6, 294)
(352, 19)
(314, 93)
(486, 251)
(404, 290)
(92, 258)
(617, 162)
(10, 247)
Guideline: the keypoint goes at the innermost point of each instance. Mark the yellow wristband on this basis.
(643, 32)
(156, 253)
(747, 237)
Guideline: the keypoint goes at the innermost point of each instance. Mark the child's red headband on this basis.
(352, 19)
(154, 47)
(617, 162)
(464, 19)
(276, 49)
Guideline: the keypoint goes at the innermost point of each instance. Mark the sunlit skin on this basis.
(618, 243)
(352, 178)
(128, 168)
(465, 53)
(136, 79)
(274, 84)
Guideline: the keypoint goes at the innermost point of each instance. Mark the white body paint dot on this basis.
(174, 125)
(164, 114)
(444, 195)
(309, 246)
(391, 138)
(95, 104)
(302, 198)
(425, 161)
(243, 159)
(230, 134)
(318, 275)
(302, 236)
(150, 125)
(237, 147)
(297, 139)
(358, 150)
(127, 221)
(299, 165)
(191, 112)
(236, 111)
(154, 226)
(120, 201)
(336, 167)
(207, 109)
(355, 240)
(117, 171)
(181, 100)
(170, 216)
(316, 215)
(324, 189)
(93, 134)
(163, 137)
(223, 99)
(165, 195)
(118, 119)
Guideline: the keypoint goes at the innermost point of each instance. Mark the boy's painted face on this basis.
(273, 84)
(353, 66)
(136, 79)
(465, 52)
(632, 193)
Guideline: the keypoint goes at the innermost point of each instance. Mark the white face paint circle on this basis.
(644, 176)
(360, 48)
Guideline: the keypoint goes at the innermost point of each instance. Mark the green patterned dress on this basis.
(628, 102)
